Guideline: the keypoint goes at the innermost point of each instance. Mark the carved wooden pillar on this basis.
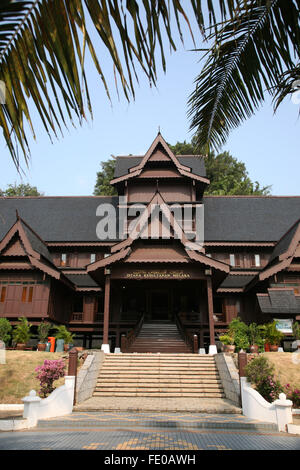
(106, 309)
(210, 312)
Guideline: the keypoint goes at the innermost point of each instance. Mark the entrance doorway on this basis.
(159, 304)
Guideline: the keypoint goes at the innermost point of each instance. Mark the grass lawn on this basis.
(17, 376)
(285, 370)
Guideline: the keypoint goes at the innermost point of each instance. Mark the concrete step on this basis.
(161, 394)
(159, 379)
(158, 387)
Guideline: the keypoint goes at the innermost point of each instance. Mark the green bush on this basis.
(271, 334)
(21, 333)
(226, 339)
(5, 329)
(255, 336)
(65, 334)
(43, 331)
(261, 374)
(296, 330)
(239, 331)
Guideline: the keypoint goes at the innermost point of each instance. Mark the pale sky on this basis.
(267, 144)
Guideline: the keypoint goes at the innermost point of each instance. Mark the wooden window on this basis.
(30, 294)
(64, 259)
(24, 294)
(232, 259)
(27, 294)
(78, 303)
(3, 294)
(235, 260)
(93, 257)
(255, 260)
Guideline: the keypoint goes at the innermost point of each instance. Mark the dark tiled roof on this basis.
(37, 244)
(235, 281)
(284, 243)
(74, 219)
(55, 218)
(123, 164)
(279, 301)
(255, 219)
(82, 280)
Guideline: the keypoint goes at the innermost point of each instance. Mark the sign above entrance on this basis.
(152, 272)
(157, 274)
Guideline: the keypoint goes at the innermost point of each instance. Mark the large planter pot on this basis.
(254, 348)
(273, 347)
(229, 348)
(267, 347)
(20, 346)
(41, 347)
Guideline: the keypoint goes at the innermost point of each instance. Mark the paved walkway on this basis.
(149, 431)
(210, 405)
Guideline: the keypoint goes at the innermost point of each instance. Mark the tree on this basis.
(103, 186)
(227, 175)
(43, 48)
(254, 53)
(43, 45)
(20, 190)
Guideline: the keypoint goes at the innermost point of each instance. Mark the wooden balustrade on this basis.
(189, 339)
(127, 340)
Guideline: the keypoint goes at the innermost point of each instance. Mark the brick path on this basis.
(210, 405)
(149, 431)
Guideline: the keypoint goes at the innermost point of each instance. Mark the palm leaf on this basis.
(43, 45)
(249, 55)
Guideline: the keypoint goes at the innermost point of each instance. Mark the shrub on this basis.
(258, 369)
(226, 339)
(271, 334)
(50, 371)
(21, 333)
(293, 395)
(261, 374)
(5, 329)
(269, 388)
(43, 331)
(296, 330)
(238, 330)
(63, 333)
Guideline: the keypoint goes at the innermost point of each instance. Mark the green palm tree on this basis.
(43, 46)
(44, 43)
(255, 52)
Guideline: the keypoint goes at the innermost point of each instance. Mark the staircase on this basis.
(159, 376)
(159, 337)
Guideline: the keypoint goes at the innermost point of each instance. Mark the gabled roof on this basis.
(158, 142)
(138, 230)
(33, 246)
(277, 300)
(195, 162)
(283, 253)
(192, 251)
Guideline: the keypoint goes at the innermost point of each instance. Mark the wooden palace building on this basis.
(160, 256)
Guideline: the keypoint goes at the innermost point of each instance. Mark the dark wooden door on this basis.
(160, 304)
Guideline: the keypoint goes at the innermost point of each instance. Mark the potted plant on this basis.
(21, 333)
(296, 333)
(64, 333)
(43, 332)
(228, 342)
(255, 337)
(273, 337)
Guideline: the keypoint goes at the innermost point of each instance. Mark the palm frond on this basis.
(43, 45)
(249, 56)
